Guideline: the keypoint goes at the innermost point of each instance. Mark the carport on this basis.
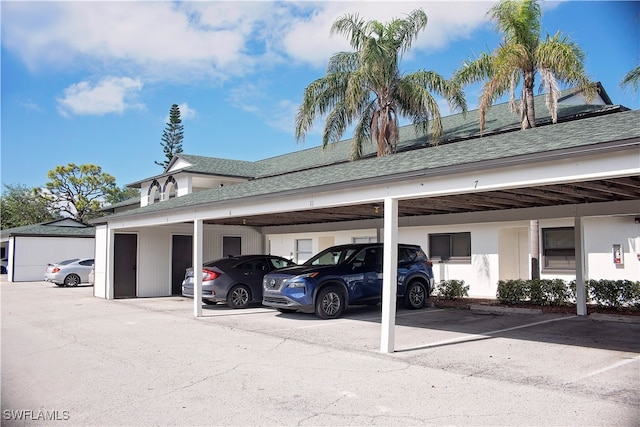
(577, 169)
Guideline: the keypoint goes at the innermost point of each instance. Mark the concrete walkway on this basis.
(71, 359)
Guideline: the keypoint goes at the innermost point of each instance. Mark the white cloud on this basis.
(208, 40)
(110, 95)
(284, 116)
(30, 105)
(186, 112)
(308, 40)
(246, 96)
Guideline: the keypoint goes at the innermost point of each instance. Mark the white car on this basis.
(70, 272)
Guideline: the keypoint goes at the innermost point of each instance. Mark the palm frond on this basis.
(551, 92)
(564, 59)
(352, 26)
(632, 78)
(405, 31)
(319, 97)
(342, 62)
(474, 70)
(336, 123)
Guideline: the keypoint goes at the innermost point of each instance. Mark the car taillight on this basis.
(55, 270)
(209, 275)
(429, 263)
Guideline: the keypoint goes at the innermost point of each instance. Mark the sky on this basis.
(93, 82)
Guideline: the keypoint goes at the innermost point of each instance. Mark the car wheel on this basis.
(72, 280)
(330, 303)
(209, 302)
(286, 310)
(3, 270)
(239, 297)
(416, 295)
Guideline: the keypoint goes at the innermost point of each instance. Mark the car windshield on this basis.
(331, 256)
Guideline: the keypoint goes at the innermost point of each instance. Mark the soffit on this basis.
(596, 191)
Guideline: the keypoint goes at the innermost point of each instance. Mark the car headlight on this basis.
(299, 281)
(295, 284)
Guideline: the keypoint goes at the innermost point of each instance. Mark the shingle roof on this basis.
(128, 202)
(223, 167)
(455, 126)
(429, 160)
(49, 231)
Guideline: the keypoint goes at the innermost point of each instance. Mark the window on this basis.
(304, 250)
(558, 248)
(231, 245)
(280, 263)
(450, 247)
(251, 267)
(365, 239)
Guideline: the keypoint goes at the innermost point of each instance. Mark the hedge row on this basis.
(452, 289)
(605, 293)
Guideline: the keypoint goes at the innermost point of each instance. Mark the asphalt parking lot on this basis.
(69, 358)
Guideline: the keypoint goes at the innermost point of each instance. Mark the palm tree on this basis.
(520, 55)
(365, 87)
(632, 78)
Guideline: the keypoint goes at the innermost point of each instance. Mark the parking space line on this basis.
(528, 325)
(486, 335)
(606, 369)
(366, 319)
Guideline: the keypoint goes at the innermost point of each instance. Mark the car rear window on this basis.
(68, 261)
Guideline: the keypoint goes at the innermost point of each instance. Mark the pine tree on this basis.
(172, 136)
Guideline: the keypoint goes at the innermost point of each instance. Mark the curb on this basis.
(614, 318)
(503, 310)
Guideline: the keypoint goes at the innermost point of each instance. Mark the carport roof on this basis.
(562, 140)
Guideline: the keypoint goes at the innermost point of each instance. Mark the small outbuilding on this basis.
(29, 249)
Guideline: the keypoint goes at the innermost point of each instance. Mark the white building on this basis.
(30, 248)
(468, 202)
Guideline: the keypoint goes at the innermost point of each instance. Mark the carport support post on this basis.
(389, 275)
(581, 288)
(197, 268)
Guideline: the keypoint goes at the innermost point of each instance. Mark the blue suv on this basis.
(347, 274)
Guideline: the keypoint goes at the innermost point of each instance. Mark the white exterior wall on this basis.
(504, 242)
(101, 262)
(284, 245)
(32, 254)
(184, 184)
(481, 274)
(155, 251)
(600, 236)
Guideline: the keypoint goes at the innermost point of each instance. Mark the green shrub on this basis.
(614, 293)
(631, 293)
(534, 291)
(605, 293)
(452, 289)
(549, 292)
(511, 291)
